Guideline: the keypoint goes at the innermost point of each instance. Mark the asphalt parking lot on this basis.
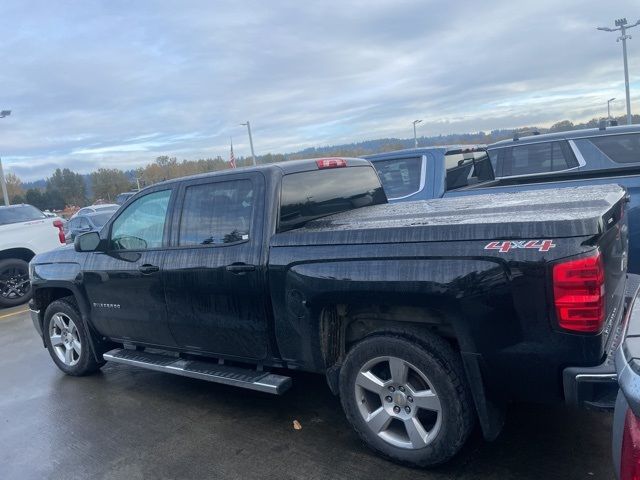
(132, 423)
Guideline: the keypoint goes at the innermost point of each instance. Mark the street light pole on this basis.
(415, 137)
(609, 108)
(621, 23)
(253, 155)
(3, 182)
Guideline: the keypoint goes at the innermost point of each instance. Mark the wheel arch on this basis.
(43, 296)
(343, 326)
(17, 253)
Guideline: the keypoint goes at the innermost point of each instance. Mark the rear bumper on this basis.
(596, 387)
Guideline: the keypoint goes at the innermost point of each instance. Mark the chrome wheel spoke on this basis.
(371, 382)
(57, 319)
(68, 356)
(56, 340)
(399, 370)
(416, 432)
(428, 400)
(378, 420)
(77, 347)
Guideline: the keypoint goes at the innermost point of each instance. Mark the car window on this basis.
(21, 213)
(400, 176)
(309, 195)
(216, 213)
(100, 219)
(141, 225)
(469, 171)
(84, 223)
(536, 158)
(619, 148)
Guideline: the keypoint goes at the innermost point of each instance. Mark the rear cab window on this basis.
(401, 177)
(533, 158)
(309, 195)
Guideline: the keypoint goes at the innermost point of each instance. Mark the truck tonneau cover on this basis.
(550, 213)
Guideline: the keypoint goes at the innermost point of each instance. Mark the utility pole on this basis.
(5, 195)
(609, 108)
(415, 137)
(253, 155)
(3, 182)
(622, 27)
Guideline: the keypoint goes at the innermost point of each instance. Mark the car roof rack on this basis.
(516, 134)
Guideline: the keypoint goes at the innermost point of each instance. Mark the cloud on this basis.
(118, 83)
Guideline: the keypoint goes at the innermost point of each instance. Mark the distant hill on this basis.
(368, 147)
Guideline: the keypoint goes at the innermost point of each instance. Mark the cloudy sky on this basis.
(118, 83)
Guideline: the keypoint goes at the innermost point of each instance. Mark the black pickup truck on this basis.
(425, 317)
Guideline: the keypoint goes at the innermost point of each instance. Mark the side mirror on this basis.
(87, 242)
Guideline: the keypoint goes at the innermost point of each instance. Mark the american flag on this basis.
(232, 158)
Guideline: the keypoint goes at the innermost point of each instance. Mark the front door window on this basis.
(141, 225)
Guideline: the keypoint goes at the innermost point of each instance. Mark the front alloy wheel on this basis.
(15, 287)
(65, 339)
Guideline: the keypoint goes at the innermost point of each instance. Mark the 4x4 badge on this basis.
(503, 246)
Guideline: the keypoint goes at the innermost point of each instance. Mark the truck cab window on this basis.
(400, 176)
(309, 195)
(141, 225)
(217, 213)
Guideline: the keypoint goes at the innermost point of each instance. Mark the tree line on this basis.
(65, 188)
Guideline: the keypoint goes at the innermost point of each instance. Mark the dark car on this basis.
(123, 197)
(425, 317)
(596, 156)
(89, 222)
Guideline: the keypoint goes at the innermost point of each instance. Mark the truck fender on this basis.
(73, 287)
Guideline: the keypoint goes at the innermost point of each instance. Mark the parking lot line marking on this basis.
(13, 313)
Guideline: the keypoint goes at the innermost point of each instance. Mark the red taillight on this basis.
(60, 226)
(331, 162)
(578, 289)
(630, 456)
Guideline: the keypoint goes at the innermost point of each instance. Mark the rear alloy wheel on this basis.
(15, 287)
(407, 397)
(67, 339)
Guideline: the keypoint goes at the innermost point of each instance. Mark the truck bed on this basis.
(550, 213)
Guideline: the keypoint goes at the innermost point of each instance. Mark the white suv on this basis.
(24, 232)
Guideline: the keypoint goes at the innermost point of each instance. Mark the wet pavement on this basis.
(128, 423)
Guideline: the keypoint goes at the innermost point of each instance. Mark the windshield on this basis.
(22, 213)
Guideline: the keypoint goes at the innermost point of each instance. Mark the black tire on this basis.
(82, 363)
(14, 272)
(431, 357)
